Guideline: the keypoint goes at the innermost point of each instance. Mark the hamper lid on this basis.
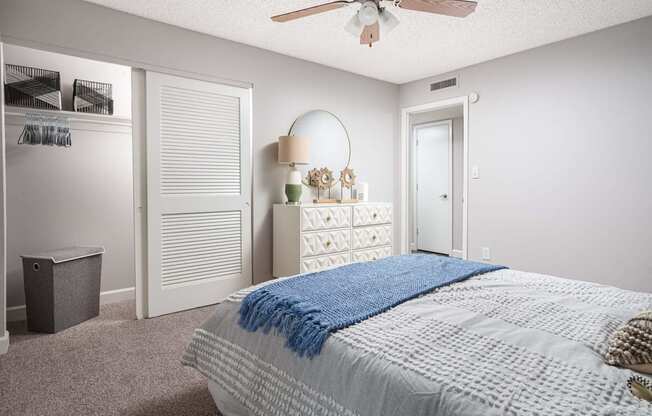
(66, 254)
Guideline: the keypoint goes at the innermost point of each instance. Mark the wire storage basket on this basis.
(32, 87)
(92, 97)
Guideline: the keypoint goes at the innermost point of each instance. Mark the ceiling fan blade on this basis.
(370, 34)
(456, 8)
(321, 8)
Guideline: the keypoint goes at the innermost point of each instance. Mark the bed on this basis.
(501, 343)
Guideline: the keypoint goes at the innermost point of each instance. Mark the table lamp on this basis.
(293, 150)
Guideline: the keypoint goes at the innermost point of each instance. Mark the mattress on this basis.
(503, 343)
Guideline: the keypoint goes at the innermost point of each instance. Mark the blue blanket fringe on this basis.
(307, 308)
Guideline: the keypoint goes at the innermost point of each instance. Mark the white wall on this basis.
(561, 136)
(83, 195)
(455, 114)
(283, 89)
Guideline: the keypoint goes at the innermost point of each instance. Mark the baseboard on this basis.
(17, 313)
(457, 253)
(4, 343)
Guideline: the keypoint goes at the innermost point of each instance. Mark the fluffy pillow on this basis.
(631, 345)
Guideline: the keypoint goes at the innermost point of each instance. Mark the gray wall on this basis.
(454, 114)
(283, 88)
(562, 138)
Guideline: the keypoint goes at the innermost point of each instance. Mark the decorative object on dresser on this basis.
(362, 192)
(347, 180)
(92, 97)
(321, 179)
(313, 237)
(32, 87)
(293, 150)
(330, 146)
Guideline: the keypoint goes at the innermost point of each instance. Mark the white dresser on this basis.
(313, 237)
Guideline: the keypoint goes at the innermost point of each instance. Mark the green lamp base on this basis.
(293, 193)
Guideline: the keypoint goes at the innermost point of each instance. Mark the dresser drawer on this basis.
(316, 264)
(365, 237)
(371, 214)
(325, 242)
(372, 254)
(323, 218)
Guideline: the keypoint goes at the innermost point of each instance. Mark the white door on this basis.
(198, 192)
(434, 187)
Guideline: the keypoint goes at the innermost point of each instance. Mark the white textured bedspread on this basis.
(504, 343)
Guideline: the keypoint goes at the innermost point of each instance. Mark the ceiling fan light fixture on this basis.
(388, 21)
(368, 13)
(354, 26)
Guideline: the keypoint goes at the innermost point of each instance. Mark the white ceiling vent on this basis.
(443, 84)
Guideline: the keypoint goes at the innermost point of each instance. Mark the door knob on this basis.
(445, 196)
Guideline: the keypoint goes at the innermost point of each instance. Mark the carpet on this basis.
(110, 365)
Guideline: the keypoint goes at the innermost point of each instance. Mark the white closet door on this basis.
(198, 192)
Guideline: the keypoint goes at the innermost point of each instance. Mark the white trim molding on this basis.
(457, 253)
(404, 170)
(18, 313)
(4, 343)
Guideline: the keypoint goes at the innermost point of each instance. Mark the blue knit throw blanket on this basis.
(307, 308)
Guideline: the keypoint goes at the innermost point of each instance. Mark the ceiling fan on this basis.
(372, 17)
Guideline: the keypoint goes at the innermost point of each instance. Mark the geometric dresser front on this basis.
(314, 237)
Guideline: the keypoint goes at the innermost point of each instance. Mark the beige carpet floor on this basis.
(110, 365)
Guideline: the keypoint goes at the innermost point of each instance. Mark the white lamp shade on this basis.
(388, 21)
(354, 26)
(293, 149)
(368, 13)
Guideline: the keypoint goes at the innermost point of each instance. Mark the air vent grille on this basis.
(440, 85)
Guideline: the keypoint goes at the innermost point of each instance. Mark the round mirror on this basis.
(329, 140)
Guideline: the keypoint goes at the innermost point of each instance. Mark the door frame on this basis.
(414, 172)
(405, 213)
(4, 334)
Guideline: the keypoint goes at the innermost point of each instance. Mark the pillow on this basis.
(640, 388)
(631, 345)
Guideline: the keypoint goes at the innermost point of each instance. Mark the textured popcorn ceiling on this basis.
(422, 45)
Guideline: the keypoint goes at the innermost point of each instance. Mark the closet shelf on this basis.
(72, 115)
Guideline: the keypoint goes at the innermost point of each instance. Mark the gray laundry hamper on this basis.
(62, 287)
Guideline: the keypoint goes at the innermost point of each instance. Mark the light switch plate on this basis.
(475, 172)
(486, 253)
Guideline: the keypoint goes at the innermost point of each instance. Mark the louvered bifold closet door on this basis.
(199, 192)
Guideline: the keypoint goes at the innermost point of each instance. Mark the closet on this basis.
(163, 183)
(76, 188)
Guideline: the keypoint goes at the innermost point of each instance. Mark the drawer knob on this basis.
(328, 243)
(373, 258)
(375, 215)
(374, 237)
(328, 218)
